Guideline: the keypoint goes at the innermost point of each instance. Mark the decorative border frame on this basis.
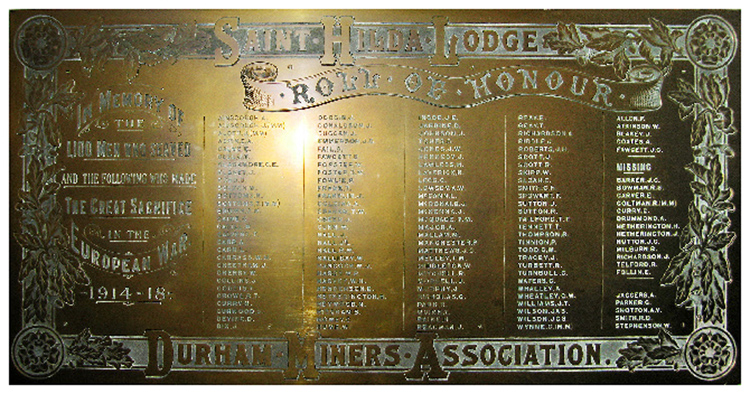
(700, 273)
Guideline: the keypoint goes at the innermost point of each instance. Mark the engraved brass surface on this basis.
(374, 196)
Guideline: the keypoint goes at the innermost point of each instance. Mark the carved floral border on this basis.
(49, 270)
(700, 273)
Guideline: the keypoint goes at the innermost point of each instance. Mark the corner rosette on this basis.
(711, 43)
(41, 43)
(710, 353)
(38, 352)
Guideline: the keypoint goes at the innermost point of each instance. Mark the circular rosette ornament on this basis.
(41, 42)
(38, 352)
(711, 42)
(710, 353)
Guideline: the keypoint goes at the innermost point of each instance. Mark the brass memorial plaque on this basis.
(374, 196)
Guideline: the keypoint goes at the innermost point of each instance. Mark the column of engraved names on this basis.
(238, 199)
(342, 288)
(542, 304)
(443, 253)
(642, 205)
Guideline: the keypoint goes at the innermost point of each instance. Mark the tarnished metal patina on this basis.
(374, 196)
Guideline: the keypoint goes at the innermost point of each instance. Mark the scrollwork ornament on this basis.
(257, 72)
(41, 42)
(38, 352)
(710, 353)
(711, 42)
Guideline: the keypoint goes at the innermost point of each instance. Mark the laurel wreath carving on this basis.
(701, 271)
(49, 270)
(143, 46)
(98, 351)
(606, 47)
(660, 350)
